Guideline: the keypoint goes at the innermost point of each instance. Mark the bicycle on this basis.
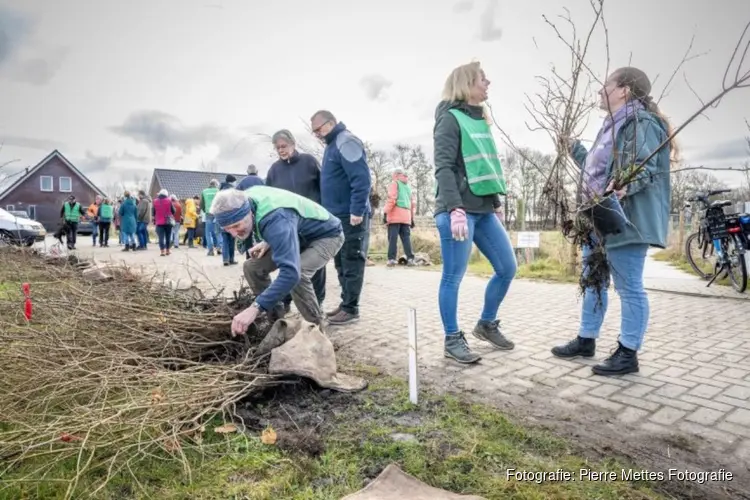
(720, 235)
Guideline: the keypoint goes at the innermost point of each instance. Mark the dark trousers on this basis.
(350, 263)
(104, 233)
(71, 230)
(394, 232)
(142, 233)
(190, 237)
(164, 232)
(227, 247)
(319, 285)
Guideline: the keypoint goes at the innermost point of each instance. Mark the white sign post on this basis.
(528, 239)
(413, 372)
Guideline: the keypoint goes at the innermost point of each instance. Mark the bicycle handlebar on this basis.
(705, 196)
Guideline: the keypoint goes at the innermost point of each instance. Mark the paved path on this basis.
(661, 276)
(695, 367)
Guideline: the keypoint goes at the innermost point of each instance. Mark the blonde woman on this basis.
(470, 181)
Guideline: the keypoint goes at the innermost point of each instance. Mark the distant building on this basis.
(185, 183)
(42, 190)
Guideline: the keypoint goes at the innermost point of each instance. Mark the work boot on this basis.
(579, 346)
(342, 318)
(458, 349)
(489, 331)
(334, 312)
(621, 362)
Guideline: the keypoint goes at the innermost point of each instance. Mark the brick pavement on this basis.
(695, 366)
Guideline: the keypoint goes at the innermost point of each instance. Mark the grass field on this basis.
(547, 262)
(329, 445)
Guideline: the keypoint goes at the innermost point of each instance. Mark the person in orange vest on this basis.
(399, 212)
(93, 216)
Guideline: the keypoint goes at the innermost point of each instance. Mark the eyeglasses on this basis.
(316, 131)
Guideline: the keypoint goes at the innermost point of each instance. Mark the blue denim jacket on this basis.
(648, 199)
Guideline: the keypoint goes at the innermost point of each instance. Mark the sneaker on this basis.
(232, 262)
(410, 263)
(579, 346)
(621, 362)
(490, 332)
(210, 253)
(226, 264)
(330, 314)
(342, 318)
(456, 348)
(391, 263)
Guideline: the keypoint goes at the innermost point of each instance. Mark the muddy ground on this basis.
(303, 416)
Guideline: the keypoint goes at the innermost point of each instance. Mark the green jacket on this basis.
(450, 172)
(648, 199)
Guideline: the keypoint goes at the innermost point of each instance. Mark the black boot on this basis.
(579, 346)
(621, 362)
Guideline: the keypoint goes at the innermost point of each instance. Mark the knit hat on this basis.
(231, 178)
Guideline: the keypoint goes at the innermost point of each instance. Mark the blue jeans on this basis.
(626, 267)
(142, 232)
(227, 247)
(128, 238)
(94, 231)
(164, 233)
(210, 233)
(493, 242)
(176, 235)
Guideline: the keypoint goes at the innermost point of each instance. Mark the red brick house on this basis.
(42, 190)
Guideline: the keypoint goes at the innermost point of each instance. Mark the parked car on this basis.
(20, 213)
(85, 227)
(19, 230)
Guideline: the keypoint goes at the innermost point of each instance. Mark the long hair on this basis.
(458, 85)
(639, 86)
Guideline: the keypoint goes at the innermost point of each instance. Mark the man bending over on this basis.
(297, 236)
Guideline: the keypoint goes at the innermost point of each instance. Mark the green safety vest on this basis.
(208, 197)
(72, 213)
(484, 172)
(106, 211)
(403, 199)
(268, 199)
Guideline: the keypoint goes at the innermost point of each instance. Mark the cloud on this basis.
(463, 6)
(15, 28)
(93, 163)
(30, 143)
(375, 86)
(733, 150)
(160, 131)
(20, 59)
(39, 70)
(489, 31)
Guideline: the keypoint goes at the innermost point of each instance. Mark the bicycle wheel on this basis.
(737, 265)
(695, 256)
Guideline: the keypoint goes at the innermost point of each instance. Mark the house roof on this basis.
(30, 172)
(188, 183)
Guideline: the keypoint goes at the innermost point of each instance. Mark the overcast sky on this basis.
(122, 87)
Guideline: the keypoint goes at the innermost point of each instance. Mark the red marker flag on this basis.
(27, 307)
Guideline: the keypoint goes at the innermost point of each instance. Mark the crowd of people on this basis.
(306, 214)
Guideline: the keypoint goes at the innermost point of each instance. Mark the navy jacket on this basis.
(345, 177)
(299, 174)
(288, 234)
(250, 181)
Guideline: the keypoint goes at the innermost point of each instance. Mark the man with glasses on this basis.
(345, 189)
